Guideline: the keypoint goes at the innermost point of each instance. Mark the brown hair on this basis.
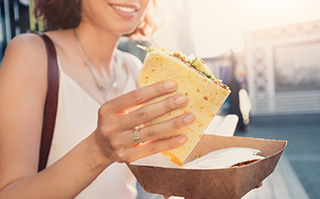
(67, 14)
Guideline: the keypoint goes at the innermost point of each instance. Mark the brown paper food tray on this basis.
(212, 183)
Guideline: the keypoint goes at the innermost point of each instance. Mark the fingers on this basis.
(121, 147)
(116, 127)
(148, 112)
(141, 95)
(165, 128)
(149, 133)
(154, 147)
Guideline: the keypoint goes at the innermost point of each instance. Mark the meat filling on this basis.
(184, 60)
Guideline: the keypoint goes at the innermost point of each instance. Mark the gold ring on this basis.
(136, 135)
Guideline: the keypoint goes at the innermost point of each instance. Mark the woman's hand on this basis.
(116, 124)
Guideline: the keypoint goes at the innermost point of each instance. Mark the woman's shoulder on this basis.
(27, 48)
(29, 41)
(25, 58)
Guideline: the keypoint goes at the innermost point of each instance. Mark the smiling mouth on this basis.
(123, 9)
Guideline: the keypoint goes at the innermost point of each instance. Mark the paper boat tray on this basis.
(212, 183)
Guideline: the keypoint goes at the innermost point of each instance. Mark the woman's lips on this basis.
(124, 11)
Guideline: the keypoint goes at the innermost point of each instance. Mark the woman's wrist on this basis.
(96, 153)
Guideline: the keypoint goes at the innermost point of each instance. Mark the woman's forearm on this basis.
(64, 179)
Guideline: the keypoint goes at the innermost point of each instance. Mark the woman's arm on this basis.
(23, 87)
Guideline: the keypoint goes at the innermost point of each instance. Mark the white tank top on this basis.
(77, 119)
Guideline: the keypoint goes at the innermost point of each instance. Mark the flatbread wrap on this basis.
(205, 93)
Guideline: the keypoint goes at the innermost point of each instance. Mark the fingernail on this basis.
(170, 85)
(183, 140)
(181, 99)
(188, 118)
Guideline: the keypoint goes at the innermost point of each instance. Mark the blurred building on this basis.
(14, 19)
(277, 74)
(229, 67)
(283, 66)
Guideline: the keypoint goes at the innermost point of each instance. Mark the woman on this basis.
(97, 108)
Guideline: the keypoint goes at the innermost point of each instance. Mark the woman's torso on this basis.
(77, 118)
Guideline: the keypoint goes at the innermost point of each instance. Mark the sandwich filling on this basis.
(196, 63)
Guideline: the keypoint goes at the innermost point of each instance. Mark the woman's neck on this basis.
(98, 45)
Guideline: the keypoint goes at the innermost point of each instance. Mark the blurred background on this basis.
(266, 51)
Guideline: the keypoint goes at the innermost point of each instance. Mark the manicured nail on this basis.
(180, 99)
(170, 85)
(188, 118)
(183, 140)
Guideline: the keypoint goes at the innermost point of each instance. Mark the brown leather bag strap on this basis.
(51, 103)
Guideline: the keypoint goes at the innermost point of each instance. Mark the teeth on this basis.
(123, 9)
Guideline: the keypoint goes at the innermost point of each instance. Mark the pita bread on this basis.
(205, 97)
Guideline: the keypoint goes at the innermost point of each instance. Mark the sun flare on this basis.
(219, 24)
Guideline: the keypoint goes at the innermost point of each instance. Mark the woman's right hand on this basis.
(115, 124)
